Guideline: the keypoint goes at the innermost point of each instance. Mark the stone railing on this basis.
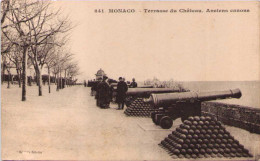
(234, 115)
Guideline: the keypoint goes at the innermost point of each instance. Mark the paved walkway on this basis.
(68, 125)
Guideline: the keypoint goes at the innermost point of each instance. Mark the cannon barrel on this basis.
(148, 91)
(167, 99)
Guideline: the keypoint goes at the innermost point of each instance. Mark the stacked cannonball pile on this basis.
(139, 108)
(203, 137)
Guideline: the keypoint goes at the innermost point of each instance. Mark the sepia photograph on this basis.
(130, 80)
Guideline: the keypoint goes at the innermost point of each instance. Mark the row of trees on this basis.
(35, 34)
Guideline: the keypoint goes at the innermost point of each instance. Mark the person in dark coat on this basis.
(121, 93)
(96, 90)
(133, 84)
(104, 93)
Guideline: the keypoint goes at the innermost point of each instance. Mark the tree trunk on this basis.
(19, 77)
(65, 79)
(8, 84)
(3, 73)
(58, 82)
(24, 63)
(49, 80)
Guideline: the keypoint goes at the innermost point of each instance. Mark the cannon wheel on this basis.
(166, 122)
(153, 117)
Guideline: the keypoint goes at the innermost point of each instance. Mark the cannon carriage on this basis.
(171, 106)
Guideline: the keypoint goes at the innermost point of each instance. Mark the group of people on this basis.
(104, 92)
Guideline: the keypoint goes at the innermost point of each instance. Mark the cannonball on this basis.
(198, 146)
(187, 122)
(182, 126)
(174, 132)
(224, 141)
(214, 150)
(197, 132)
(245, 151)
(204, 126)
(191, 118)
(213, 155)
(180, 141)
(184, 131)
(195, 136)
(189, 151)
(209, 131)
(192, 146)
(196, 151)
(208, 118)
(202, 151)
(211, 146)
(235, 145)
(178, 129)
(220, 136)
(222, 146)
(200, 141)
(204, 146)
(193, 127)
(217, 127)
(218, 141)
(215, 131)
(232, 155)
(196, 118)
(176, 151)
(183, 151)
(181, 156)
(212, 123)
(187, 156)
(163, 142)
(227, 150)
(228, 145)
(216, 145)
(200, 156)
(187, 141)
(218, 123)
(185, 146)
(194, 156)
(230, 141)
(207, 155)
(200, 122)
(226, 136)
(211, 127)
(221, 131)
(202, 118)
(186, 126)
(206, 141)
(206, 122)
(199, 127)
(191, 131)
(220, 155)
(207, 136)
(226, 155)
(194, 141)
(221, 151)
(238, 155)
(233, 150)
(178, 146)
(201, 136)
(203, 131)
(195, 123)
(182, 136)
(212, 140)
(189, 136)
(208, 151)
(239, 150)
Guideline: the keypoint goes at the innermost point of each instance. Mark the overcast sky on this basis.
(184, 47)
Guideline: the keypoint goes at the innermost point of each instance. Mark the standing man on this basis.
(121, 93)
(96, 90)
(133, 84)
(104, 91)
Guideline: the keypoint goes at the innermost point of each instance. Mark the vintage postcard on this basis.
(130, 80)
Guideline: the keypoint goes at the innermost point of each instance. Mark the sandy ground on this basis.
(67, 125)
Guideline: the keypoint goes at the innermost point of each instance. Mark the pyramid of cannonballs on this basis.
(139, 108)
(203, 137)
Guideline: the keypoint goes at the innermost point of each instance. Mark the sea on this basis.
(250, 90)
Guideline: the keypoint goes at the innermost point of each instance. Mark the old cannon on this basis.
(174, 105)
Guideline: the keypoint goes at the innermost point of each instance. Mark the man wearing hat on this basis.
(133, 84)
(96, 89)
(121, 93)
(104, 91)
